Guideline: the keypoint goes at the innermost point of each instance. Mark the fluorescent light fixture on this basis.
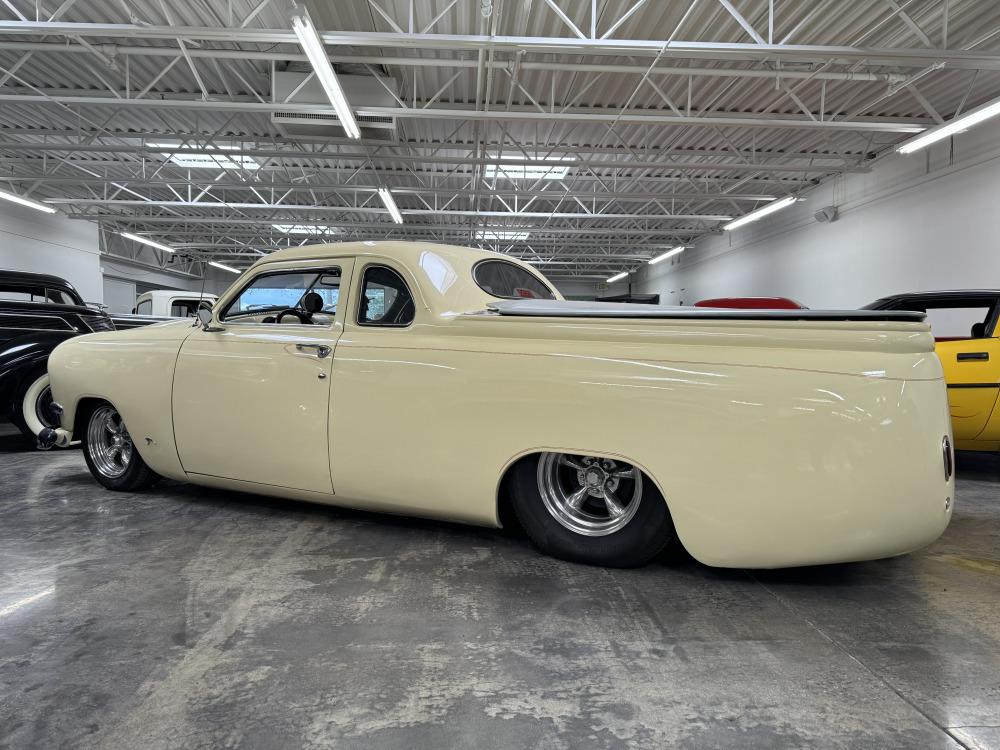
(390, 205)
(14, 198)
(147, 241)
(306, 229)
(669, 254)
(312, 45)
(191, 160)
(501, 235)
(950, 128)
(760, 213)
(223, 266)
(546, 168)
(618, 277)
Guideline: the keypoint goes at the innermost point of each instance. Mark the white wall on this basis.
(31, 240)
(924, 221)
(573, 289)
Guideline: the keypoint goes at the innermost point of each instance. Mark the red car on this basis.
(752, 303)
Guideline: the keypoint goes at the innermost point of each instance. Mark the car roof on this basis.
(29, 277)
(162, 293)
(443, 273)
(946, 293)
(405, 252)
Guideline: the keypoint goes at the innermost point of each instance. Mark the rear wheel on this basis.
(33, 405)
(590, 509)
(111, 455)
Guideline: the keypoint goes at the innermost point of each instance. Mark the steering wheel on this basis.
(304, 318)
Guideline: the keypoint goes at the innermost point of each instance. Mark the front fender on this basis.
(23, 355)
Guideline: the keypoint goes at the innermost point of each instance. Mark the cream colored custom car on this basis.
(454, 383)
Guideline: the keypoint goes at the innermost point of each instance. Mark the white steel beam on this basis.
(120, 50)
(641, 117)
(713, 50)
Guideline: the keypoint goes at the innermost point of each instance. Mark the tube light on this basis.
(37, 205)
(147, 241)
(312, 45)
(950, 128)
(760, 213)
(390, 205)
(224, 267)
(669, 254)
(618, 277)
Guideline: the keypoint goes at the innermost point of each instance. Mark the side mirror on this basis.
(205, 318)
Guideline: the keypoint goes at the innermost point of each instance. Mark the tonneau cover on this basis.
(571, 309)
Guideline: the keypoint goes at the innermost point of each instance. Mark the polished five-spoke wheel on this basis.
(591, 509)
(108, 442)
(589, 495)
(110, 453)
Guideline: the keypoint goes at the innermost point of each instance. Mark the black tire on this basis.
(644, 536)
(131, 475)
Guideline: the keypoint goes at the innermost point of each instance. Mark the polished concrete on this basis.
(188, 618)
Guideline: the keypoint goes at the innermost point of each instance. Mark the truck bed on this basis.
(570, 309)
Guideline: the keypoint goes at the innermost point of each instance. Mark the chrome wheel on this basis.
(589, 495)
(108, 442)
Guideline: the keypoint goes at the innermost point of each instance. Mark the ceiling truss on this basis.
(725, 106)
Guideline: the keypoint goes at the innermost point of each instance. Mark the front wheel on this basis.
(591, 509)
(111, 455)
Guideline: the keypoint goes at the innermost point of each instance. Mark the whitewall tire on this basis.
(35, 404)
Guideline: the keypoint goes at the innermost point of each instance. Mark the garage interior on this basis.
(608, 144)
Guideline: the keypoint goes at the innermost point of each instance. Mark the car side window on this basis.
(960, 322)
(294, 297)
(385, 299)
(183, 308)
(144, 308)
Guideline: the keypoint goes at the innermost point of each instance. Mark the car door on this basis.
(967, 344)
(251, 397)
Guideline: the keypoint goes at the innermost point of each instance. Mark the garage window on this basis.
(385, 299)
(502, 279)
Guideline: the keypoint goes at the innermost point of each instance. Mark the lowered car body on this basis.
(395, 377)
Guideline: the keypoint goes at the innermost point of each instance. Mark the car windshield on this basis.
(33, 293)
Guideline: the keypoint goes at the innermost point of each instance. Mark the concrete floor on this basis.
(192, 618)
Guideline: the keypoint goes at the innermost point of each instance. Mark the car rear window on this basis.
(502, 279)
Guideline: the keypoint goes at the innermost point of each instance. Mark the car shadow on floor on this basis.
(12, 440)
(510, 539)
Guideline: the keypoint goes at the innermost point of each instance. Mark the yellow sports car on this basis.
(964, 323)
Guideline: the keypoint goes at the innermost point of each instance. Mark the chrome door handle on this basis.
(322, 350)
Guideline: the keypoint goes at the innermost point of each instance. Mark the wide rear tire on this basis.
(590, 510)
(110, 453)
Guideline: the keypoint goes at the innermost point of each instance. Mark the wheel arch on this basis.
(503, 511)
(81, 414)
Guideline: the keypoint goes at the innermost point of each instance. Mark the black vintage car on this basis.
(37, 312)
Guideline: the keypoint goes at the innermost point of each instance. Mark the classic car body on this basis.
(965, 326)
(832, 426)
(37, 312)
